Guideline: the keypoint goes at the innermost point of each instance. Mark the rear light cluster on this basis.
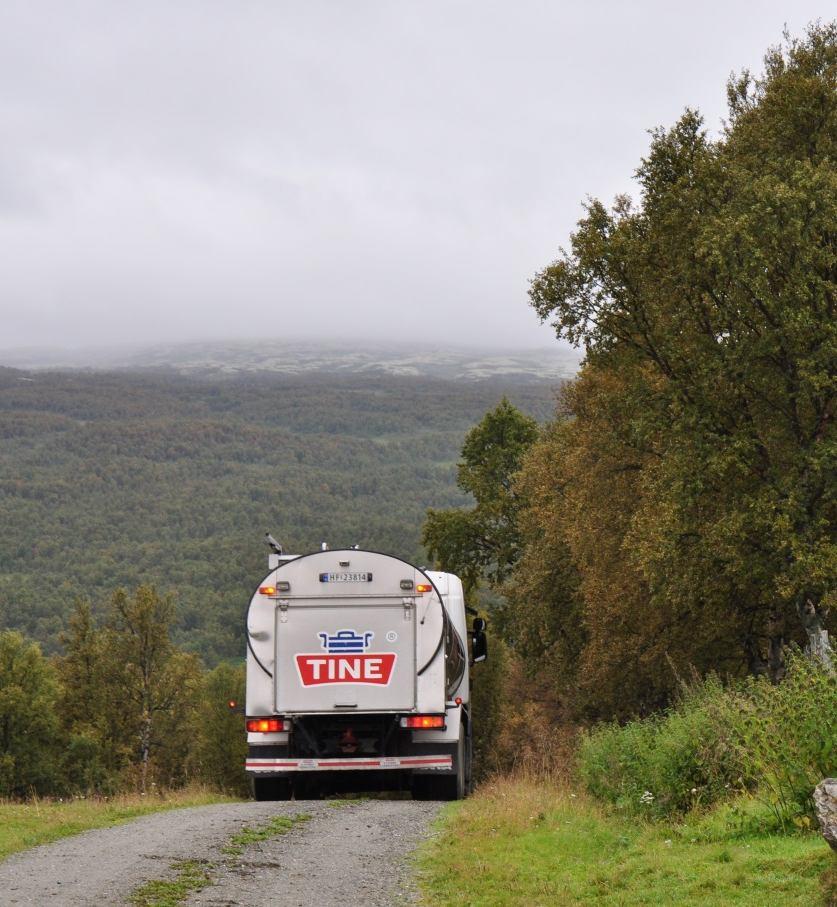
(423, 722)
(281, 586)
(267, 725)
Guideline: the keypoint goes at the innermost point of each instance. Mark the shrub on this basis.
(28, 719)
(666, 763)
(220, 744)
(784, 737)
(775, 740)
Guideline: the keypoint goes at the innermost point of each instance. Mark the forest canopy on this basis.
(120, 479)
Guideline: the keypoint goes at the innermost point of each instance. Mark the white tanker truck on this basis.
(357, 677)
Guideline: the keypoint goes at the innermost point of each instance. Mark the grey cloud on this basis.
(205, 169)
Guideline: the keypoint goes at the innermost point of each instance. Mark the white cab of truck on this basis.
(358, 678)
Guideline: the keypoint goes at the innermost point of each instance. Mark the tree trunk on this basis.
(756, 665)
(772, 663)
(145, 748)
(819, 646)
(776, 658)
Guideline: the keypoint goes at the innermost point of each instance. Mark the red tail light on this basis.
(267, 725)
(423, 722)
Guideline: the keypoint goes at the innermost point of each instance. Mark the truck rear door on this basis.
(345, 653)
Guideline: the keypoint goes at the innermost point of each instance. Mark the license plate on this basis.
(345, 577)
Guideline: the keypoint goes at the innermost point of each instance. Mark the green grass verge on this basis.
(25, 825)
(518, 842)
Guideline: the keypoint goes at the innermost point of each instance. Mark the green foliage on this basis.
(786, 737)
(83, 765)
(220, 745)
(489, 704)
(135, 711)
(98, 744)
(484, 540)
(776, 740)
(152, 685)
(133, 704)
(491, 455)
(680, 508)
(28, 718)
(666, 763)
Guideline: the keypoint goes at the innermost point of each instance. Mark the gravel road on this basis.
(347, 852)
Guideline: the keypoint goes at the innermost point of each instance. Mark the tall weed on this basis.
(777, 741)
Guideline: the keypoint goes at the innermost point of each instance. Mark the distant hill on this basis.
(112, 478)
(305, 357)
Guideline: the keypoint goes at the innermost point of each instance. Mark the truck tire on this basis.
(307, 788)
(469, 763)
(423, 787)
(265, 789)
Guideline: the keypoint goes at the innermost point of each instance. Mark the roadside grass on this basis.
(520, 842)
(27, 824)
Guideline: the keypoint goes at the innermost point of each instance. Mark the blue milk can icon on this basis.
(346, 642)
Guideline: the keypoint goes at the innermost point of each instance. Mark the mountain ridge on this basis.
(303, 357)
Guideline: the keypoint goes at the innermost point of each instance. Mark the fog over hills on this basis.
(327, 357)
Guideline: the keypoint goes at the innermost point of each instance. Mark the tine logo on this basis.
(346, 641)
(345, 659)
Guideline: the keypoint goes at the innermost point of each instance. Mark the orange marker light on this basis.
(423, 587)
(267, 590)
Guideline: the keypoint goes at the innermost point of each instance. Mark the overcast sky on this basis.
(203, 170)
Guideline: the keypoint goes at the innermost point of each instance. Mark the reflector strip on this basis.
(325, 765)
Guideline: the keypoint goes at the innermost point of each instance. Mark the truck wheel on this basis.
(469, 764)
(423, 787)
(307, 788)
(265, 789)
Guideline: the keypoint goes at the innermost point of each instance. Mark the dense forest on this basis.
(116, 479)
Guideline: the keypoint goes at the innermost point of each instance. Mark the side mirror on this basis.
(479, 645)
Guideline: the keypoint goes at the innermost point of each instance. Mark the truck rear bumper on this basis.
(373, 763)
